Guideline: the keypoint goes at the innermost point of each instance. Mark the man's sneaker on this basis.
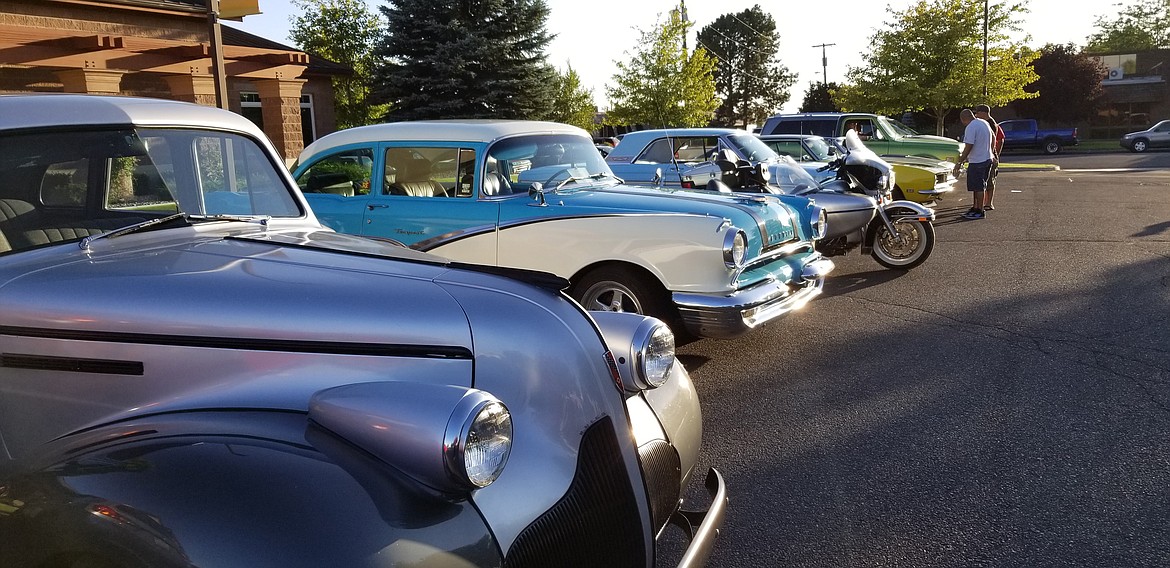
(973, 214)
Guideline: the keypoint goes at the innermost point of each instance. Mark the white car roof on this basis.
(55, 109)
(467, 130)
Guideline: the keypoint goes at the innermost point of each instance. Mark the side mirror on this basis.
(536, 192)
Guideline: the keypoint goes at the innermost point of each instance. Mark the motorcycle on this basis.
(898, 234)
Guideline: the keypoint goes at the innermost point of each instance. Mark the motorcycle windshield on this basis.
(860, 155)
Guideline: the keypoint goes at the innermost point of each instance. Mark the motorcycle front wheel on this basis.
(914, 247)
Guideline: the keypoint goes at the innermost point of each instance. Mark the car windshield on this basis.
(68, 184)
(752, 148)
(790, 176)
(820, 149)
(548, 159)
(897, 127)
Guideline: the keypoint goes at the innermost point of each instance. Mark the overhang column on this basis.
(92, 81)
(198, 89)
(280, 102)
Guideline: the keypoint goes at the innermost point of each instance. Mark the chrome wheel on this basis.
(610, 296)
(909, 247)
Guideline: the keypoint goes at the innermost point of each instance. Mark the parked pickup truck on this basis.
(883, 135)
(1024, 133)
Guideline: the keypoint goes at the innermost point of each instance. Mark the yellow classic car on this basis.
(922, 180)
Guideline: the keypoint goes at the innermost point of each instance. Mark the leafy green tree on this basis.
(819, 98)
(1069, 86)
(572, 103)
(930, 57)
(662, 84)
(465, 59)
(342, 31)
(1139, 27)
(748, 78)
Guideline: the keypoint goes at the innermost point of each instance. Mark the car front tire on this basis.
(1140, 145)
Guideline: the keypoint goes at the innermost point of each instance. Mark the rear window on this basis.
(825, 127)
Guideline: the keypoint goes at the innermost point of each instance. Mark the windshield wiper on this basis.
(597, 176)
(186, 218)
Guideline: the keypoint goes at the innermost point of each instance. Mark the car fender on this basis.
(684, 252)
(229, 488)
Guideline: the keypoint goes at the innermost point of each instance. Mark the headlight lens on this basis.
(734, 248)
(820, 225)
(656, 357)
(481, 448)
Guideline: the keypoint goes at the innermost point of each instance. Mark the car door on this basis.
(1160, 134)
(429, 196)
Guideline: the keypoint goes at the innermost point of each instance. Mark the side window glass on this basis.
(869, 130)
(236, 178)
(465, 175)
(658, 152)
(822, 128)
(691, 150)
(346, 173)
(421, 171)
(64, 184)
(143, 182)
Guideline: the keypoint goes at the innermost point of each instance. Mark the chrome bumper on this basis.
(733, 314)
(703, 526)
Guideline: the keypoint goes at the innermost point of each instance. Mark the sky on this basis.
(592, 34)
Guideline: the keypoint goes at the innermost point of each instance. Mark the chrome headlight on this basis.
(734, 248)
(820, 223)
(656, 355)
(478, 440)
(642, 348)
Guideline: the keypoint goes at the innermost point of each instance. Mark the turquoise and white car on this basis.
(538, 195)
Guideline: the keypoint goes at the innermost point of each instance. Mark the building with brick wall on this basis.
(165, 49)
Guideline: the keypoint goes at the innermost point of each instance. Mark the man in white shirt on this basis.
(978, 139)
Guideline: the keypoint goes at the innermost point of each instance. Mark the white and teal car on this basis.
(538, 195)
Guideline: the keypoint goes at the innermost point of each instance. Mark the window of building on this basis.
(250, 107)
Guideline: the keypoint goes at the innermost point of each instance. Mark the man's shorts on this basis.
(977, 175)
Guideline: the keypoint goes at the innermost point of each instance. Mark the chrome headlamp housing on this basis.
(478, 440)
(819, 222)
(734, 248)
(642, 348)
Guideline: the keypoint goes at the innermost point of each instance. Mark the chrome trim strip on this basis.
(247, 343)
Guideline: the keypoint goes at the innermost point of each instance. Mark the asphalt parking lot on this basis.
(1005, 404)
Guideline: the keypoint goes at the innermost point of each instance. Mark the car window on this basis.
(695, 149)
(789, 148)
(751, 147)
(424, 171)
(66, 185)
(817, 126)
(660, 151)
(513, 164)
(347, 173)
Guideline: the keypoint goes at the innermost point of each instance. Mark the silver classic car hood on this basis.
(159, 289)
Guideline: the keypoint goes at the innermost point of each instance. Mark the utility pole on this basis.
(985, 51)
(824, 62)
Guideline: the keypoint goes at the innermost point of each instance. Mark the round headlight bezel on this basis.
(820, 227)
(478, 440)
(734, 248)
(656, 355)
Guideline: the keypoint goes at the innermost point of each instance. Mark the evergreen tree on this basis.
(342, 31)
(750, 81)
(819, 98)
(662, 84)
(465, 59)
